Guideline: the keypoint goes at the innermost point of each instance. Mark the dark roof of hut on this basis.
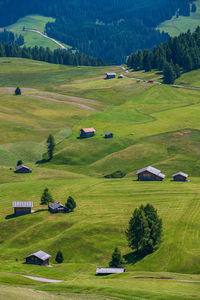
(41, 255)
(56, 205)
(151, 170)
(22, 167)
(181, 174)
(109, 270)
(22, 204)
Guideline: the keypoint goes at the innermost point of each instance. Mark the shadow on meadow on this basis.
(134, 257)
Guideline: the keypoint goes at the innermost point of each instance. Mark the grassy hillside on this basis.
(31, 39)
(181, 24)
(153, 125)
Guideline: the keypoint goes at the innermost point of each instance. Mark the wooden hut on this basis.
(110, 75)
(150, 174)
(87, 132)
(22, 169)
(22, 208)
(108, 135)
(57, 207)
(38, 258)
(180, 176)
(108, 271)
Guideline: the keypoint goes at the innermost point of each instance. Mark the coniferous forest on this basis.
(108, 29)
(57, 56)
(180, 53)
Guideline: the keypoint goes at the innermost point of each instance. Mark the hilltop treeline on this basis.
(57, 56)
(10, 38)
(182, 52)
(109, 29)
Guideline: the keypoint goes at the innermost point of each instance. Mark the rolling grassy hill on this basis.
(181, 24)
(152, 124)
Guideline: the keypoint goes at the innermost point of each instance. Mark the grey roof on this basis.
(22, 204)
(40, 254)
(151, 170)
(109, 270)
(180, 173)
(111, 74)
(22, 167)
(56, 205)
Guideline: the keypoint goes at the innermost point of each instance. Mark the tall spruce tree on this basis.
(117, 260)
(20, 162)
(145, 229)
(169, 74)
(46, 197)
(18, 91)
(50, 146)
(70, 204)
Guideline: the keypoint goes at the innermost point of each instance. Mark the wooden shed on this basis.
(57, 207)
(109, 271)
(87, 132)
(38, 258)
(108, 135)
(110, 75)
(150, 174)
(22, 208)
(22, 169)
(180, 176)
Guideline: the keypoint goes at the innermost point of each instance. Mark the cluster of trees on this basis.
(47, 198)
(179, 53)
(144, 233)
(10, 38)
(110, 30)
(58, 56)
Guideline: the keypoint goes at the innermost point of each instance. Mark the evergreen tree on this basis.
(18, 91)
(70, 204)
(169, 74)
(50, 146)
(177, 70)
(194, 8)
(20, 162)
(117, 259)
(59, 257)
(46, 197)
(145, 229)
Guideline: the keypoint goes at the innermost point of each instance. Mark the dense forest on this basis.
(180, 53)
(109, 29)
(10, 38)
(57, 56)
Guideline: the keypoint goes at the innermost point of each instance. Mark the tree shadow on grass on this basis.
(10, 216)
(134, 257)
(42, 161)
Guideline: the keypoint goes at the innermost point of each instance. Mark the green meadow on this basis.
(181, 24)
(31, 39)
(152, 124)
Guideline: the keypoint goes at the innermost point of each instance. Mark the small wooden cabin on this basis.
(109, 271)
(110, 75)
(38, 258)
(22, 169)
(180, 176)
(87, 132)
(150, 174)
(108, 135)
(22, 208)
(57, 207)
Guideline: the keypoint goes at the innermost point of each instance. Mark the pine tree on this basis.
(70, 204)
(194, 8)
(20, 162)
(117, 259)
(18, 91)
(169, 74)
(145, 229)
(59, 257)
(46, 197)
(50, 146)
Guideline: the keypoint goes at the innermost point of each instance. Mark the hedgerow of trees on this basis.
(145, 229)
(10, 38)
(179, 53)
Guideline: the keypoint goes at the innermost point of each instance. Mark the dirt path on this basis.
(47, 37)
(166, 278)
(42, 279)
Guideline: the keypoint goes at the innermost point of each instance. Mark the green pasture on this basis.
(33, 22)
(181, 24)
(152, 125)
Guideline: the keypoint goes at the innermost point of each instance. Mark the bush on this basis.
(18, 91)
(59, 257)
(116, 174)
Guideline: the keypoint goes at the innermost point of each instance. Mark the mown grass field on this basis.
(33, 22)
(152, 125)
(181, 24)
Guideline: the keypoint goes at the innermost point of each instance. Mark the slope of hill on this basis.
(110, 30)
(152, 124)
